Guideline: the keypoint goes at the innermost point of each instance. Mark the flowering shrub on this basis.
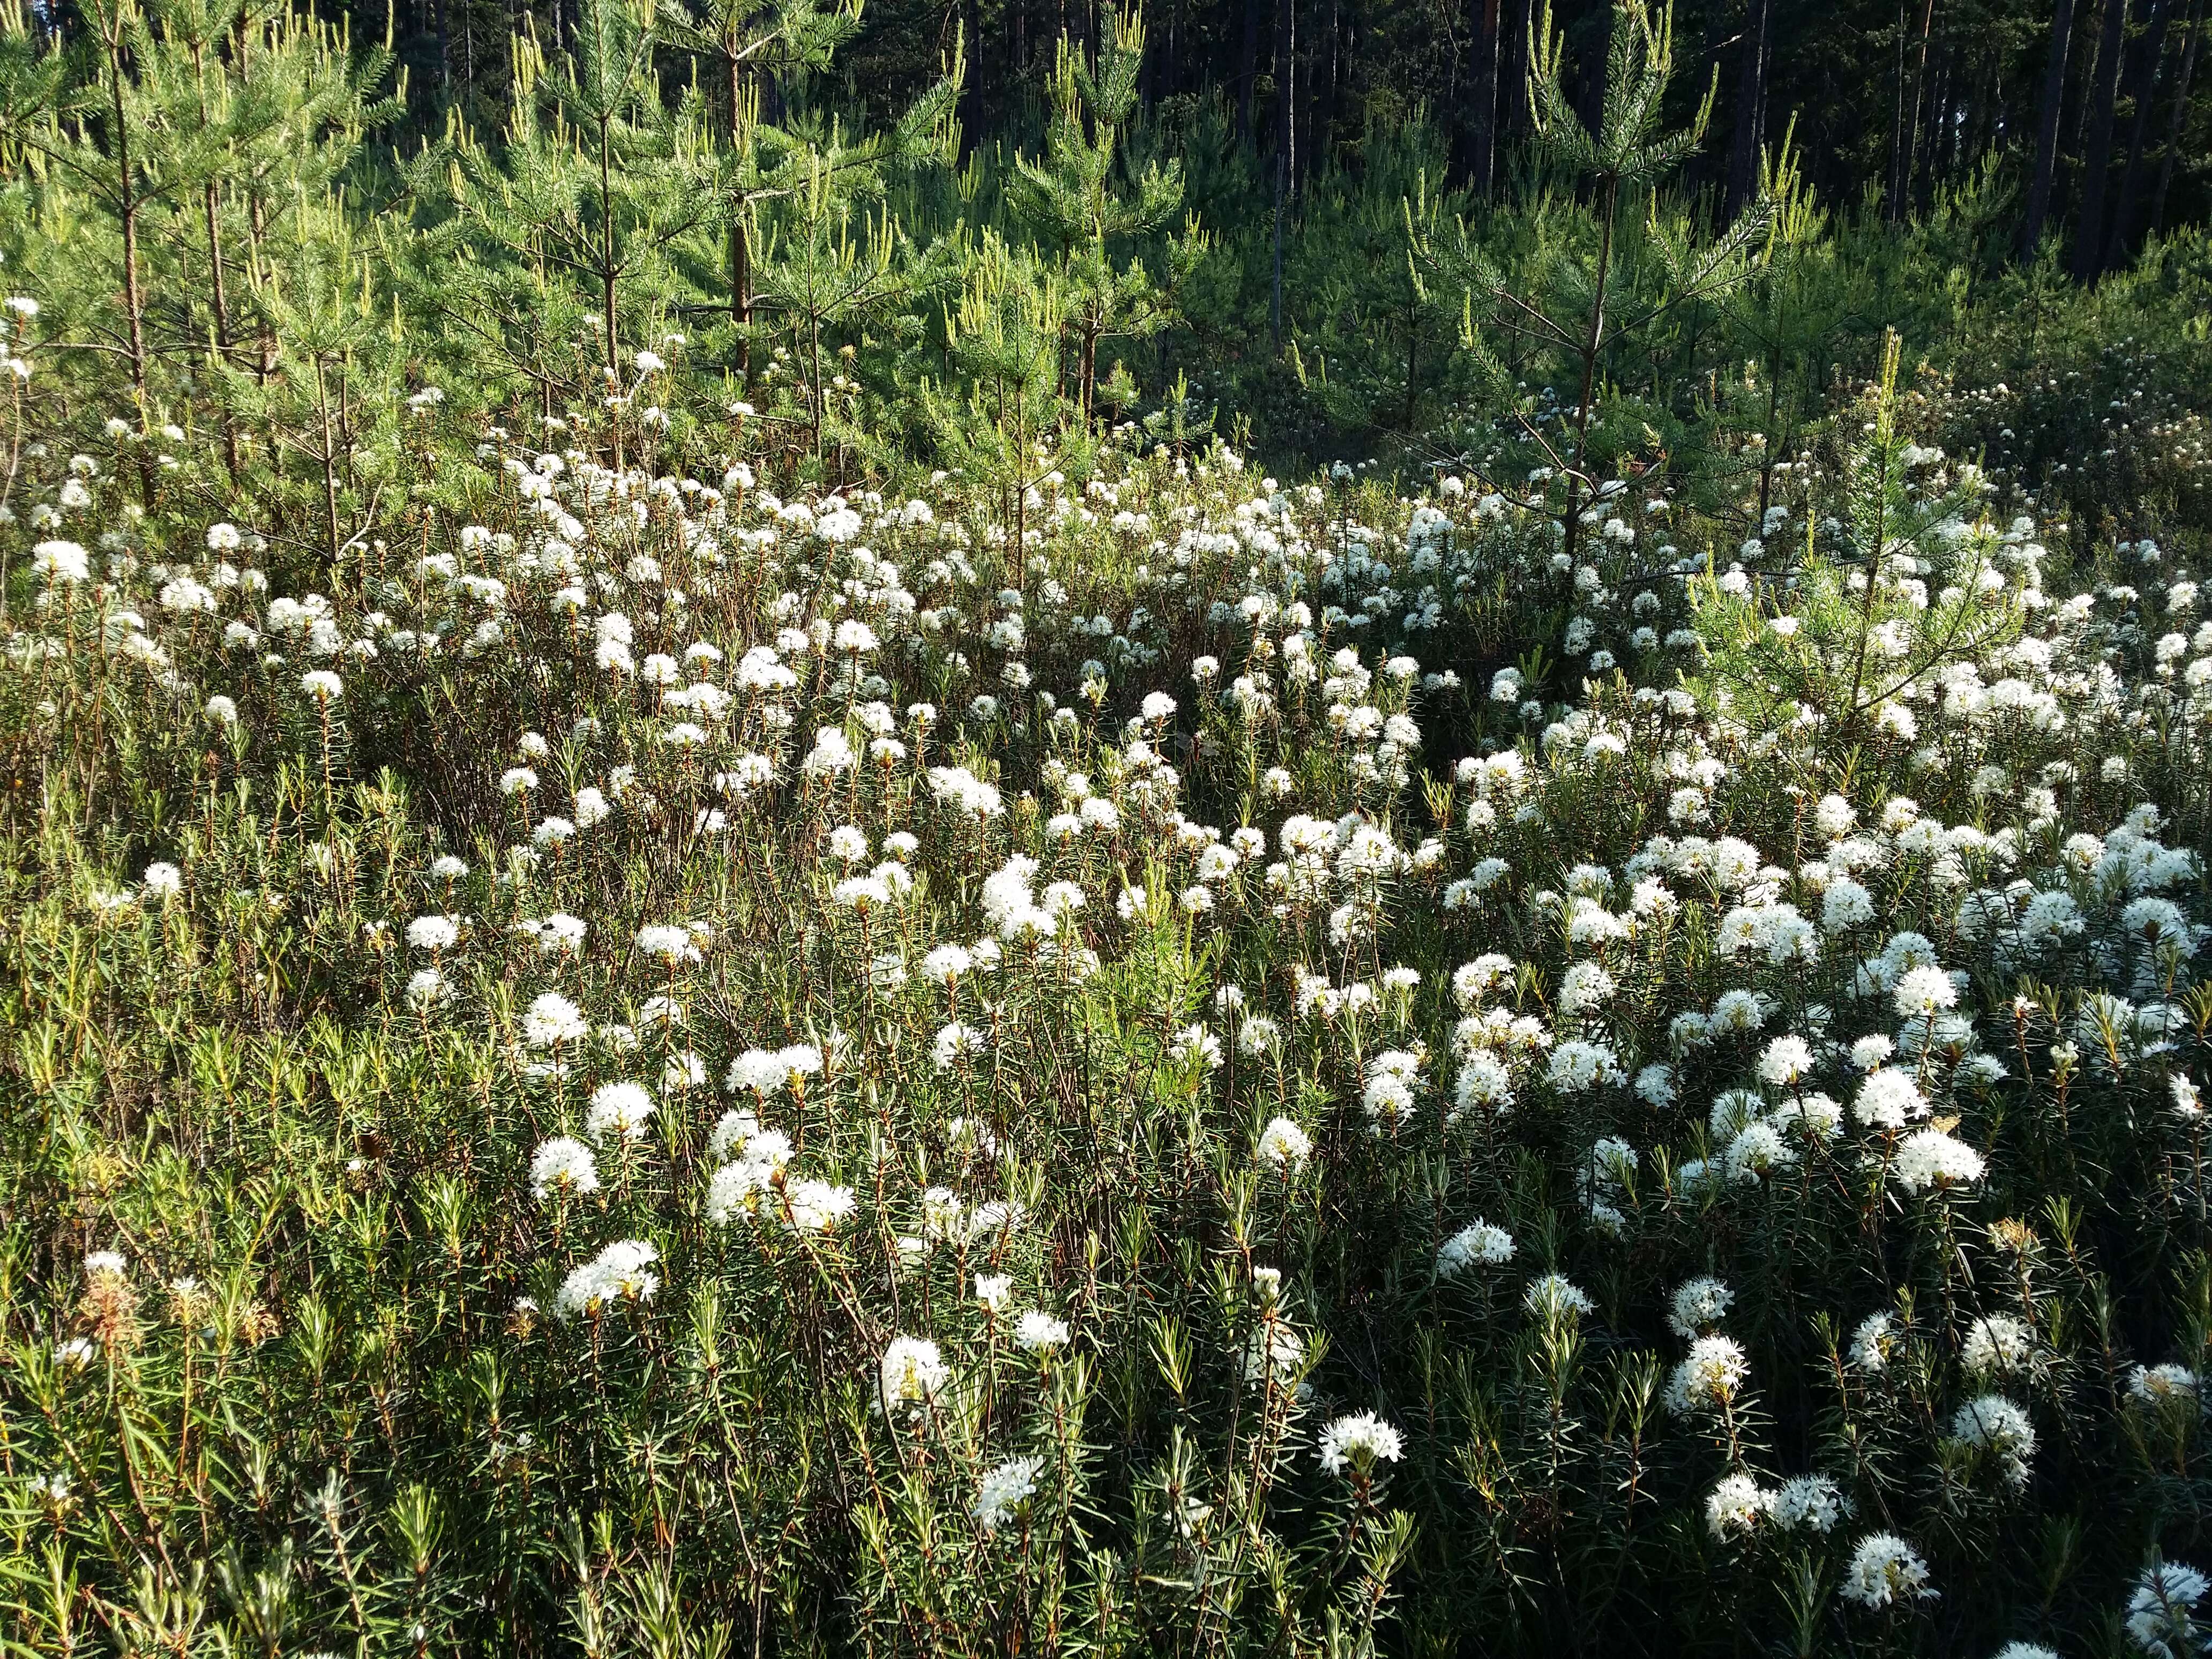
(1234, 1067)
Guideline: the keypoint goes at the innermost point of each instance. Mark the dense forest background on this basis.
(2096, 104)
(1301, 223)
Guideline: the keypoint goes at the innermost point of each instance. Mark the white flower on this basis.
(1282, 1145)
(2162, 1611)
(1470, 981)
(1869, 1053)
(671, 945)
(620, 1109)
(1995, 1422)
(968, 795)
(618, 1273)
(551, 1018)
(947, 963)
(1003, 1491)
(1845, 905)
(1484, 1083)
(1710, 1377)
(911, 1374)
(830, 756)
(955, 1042)
(1889, 1099)
(1811, 1501)
(1478, 1242)
(1577, 1065)
(1786, 1061)
(2148, 1385)
(1924, 991)
(1697, 1306)
(1359, 1442)
(61, 561)
(1585, 985)
(800, 1061)
(432, 932)
(1874, 1340)
(1929, 1158)
(817, 1206)
(737, 1190)
(1553, 1297)
(322, 685)
(1885, 1569)
(1195, 1044)
(1736, 1505)
(1039, 1331)
(734, 1130)
(562, 1164)
(1997, 1344)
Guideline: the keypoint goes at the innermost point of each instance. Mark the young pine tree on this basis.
(1075, 209)
(1579, 319)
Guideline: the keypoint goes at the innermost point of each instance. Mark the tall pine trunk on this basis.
(1482, 98)
(1247, 70)
(971, 95)
(2143, 87)
(2180, 115)
(1286, 80)
(1513, 71)
(2047, 133)
(1905, 135)
(1750, 107)
(2097, 155)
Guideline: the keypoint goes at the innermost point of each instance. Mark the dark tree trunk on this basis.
(2046, 134)
(1286, 81)
(971, 95)
(1942, 120)
(1482, 97)
(2097, 156)
(1750, 107)
(1891, 187)
(2180, 116)
(1513, 70)
(1589, 88)
(1904, 131)
(1339, 54)
(2151, 51)
(1247, 70)
(1313, 112)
